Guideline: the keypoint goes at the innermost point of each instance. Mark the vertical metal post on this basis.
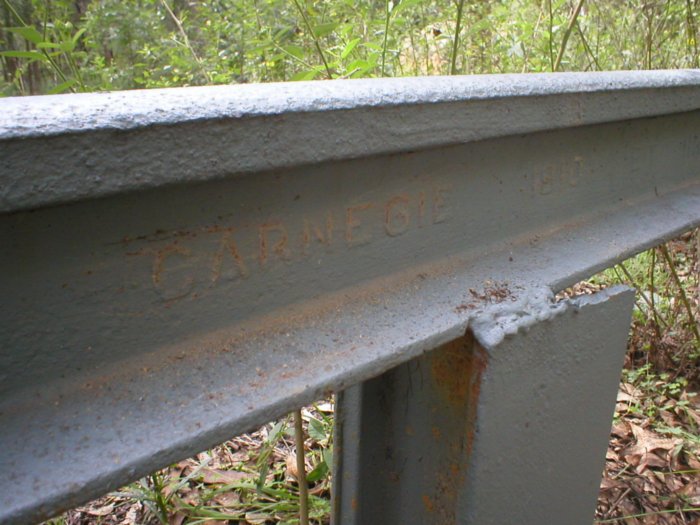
(490, 428)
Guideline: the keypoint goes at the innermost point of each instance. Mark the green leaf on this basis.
(349, 48)
(373, 45)
(78, 34)
(62, 87)
(328, 456)
(316, 430)
(28, 32)
(296, 51)
(358, 64)
(275, 432)
(48, 45)
(23, 54)
(322, 30)
(277, 57)
(260, 482)
(405, 4)
(320, 471)
(306, 75)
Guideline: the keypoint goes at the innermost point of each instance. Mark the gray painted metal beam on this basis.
(508, 424)
(66, 147)
(172, 304)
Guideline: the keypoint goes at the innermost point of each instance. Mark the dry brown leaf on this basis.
(669, 418)
(621, 408)
(223, 477)
(674, 484)
(239, 457)
(623, 398)
(101, 511)
(176, 519)
(652, 478)
(693, 462)
(650, 459)
(692, 492)
(131, 516)
(188, 498)
(291, 462)
(630, 392)
(693, 414)
(633, 459)
(647, 441)
(651, 518)
(227, 499)
(621, 429)
(182, 465)
(318, 489)
(256, 518)
(326, 408)
(608, 484)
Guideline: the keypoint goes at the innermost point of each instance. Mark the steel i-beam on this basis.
(180, 266)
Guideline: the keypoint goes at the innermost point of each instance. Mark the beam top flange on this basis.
(62, 148)
(22, 117)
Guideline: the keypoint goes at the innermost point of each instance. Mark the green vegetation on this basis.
(251, 479)
(653, 459)
(52, 46)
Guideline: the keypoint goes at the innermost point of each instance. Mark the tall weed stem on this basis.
(455, 45)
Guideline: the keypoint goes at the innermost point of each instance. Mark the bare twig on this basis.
(386, 34)
(293, 56)
(617, 502)
(649, 37)
(567, 34)
(692, 29)
(455, 45)
(302, 12)
(645, 298)
(186, 40)
(301, 470)
(652, 288)
(526, 56)
(684, 298)
(551, 29)
(50, 60)
(586, 46)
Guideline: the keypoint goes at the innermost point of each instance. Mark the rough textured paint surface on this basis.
(61, 148)
(175, 277)
(543, 422)
(490, 434)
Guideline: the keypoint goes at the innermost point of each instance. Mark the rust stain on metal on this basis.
(493, 292)
(208, 347)
(191, 263)
(479, 362)
(456, 372)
